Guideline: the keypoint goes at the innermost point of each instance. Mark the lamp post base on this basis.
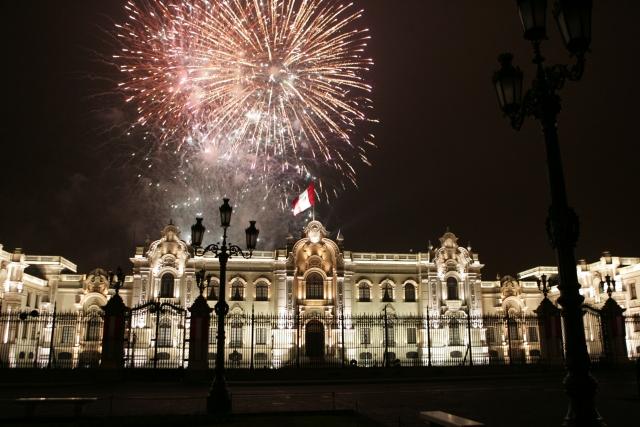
(582, 409)
(219, 398)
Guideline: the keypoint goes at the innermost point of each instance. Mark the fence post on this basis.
(297, 321)
(53, 334)
(113, 333)
(550, 327)
(509, 338)
(198, 334)
(469, 336)
(613, 328)
(428, 339)
(158, 308)
(386, 339)
(253, 318)
(343, 344)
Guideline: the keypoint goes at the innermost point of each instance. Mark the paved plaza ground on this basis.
(498, 398)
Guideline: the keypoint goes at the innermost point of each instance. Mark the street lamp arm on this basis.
(235, 250)
(213, 249)
(558, 74)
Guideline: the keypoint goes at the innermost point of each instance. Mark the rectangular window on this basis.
(633, 291)
(261, 336)
(67, 335)
(25, 330)
(411, 336)
(491, 335)
(365, 336)
(236, 336)
(390, 336)
(533, 334)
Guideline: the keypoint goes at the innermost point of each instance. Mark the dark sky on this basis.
(446, 157)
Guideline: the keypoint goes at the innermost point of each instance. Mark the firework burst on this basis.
(279, 83)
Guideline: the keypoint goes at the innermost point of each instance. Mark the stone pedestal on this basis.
(199, 334)
(550, 328)
(613, 331)
(113, 333)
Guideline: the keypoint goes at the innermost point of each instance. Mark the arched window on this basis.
(315, 286)
(94, 327)
(164, 333)
(166, 285)
(237, 291)
(452, 288)
(364, 292)
(214, 288)
(387, 292)
(409, 292)
(262, 291)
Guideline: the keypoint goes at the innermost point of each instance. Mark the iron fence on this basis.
(632, 334)
(50, 340)
(157, 336)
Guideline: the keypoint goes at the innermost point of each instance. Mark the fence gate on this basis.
(156, 336)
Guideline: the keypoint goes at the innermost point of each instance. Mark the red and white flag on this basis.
(305, 200)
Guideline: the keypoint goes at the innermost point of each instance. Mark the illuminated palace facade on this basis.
(317, 276)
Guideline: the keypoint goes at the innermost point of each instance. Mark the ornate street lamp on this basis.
(608, 285)
(219, 399)
(542, 101)
(544, 285)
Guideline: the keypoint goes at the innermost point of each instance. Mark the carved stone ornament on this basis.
(97, 282)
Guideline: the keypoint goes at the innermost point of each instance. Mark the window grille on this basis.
(364, 292)
(261, 336)
(166, 285)
(411, 336)
(93, 330)
(409, 293)
(67, 335)
(452, 288)
(365, 336)
(387, 292)
(164, 334)
(236, 335)
(315, 286)
(262, 292)
(237, 291)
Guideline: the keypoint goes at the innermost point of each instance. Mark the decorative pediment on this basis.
(316, 251)
(510, 287)
(97, 281)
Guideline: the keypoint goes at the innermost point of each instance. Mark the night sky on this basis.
(445, 156)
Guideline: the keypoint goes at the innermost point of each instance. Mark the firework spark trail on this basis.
(274, 77)
(239, 94)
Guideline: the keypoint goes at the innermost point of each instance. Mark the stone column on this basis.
(113, 333)
(199, 334)
(550, 327)
(613, 331)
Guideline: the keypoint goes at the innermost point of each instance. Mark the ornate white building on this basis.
(316, 275)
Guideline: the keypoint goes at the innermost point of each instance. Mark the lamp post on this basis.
(219, 399)
(541, 101)
(544, 285)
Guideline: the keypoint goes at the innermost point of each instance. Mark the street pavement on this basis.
(501, 400)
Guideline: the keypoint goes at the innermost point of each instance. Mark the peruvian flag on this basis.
(305, 200)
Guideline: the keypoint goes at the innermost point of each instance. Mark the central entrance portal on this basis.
(314, 339)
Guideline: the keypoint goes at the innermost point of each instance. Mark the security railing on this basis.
(50, 340)
(157, 336)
